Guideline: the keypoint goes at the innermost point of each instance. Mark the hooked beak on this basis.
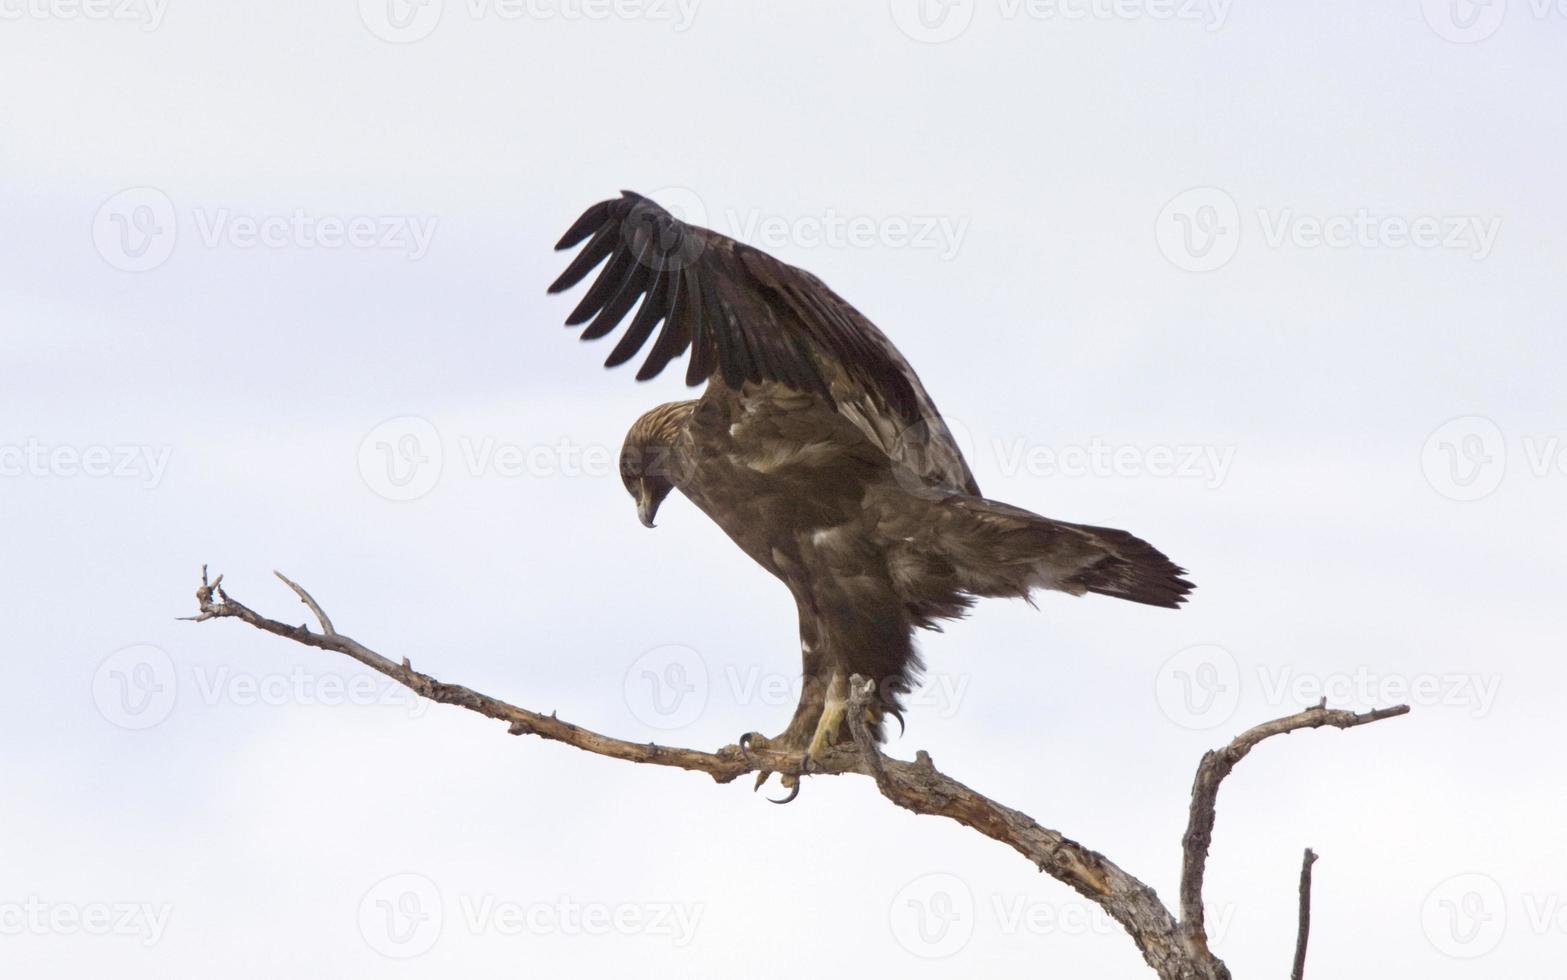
(646, 509)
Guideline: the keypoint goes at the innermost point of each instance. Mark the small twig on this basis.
(1211, 771)
(1299, 972)
(321, 617)
(860, 691)
(204, 599)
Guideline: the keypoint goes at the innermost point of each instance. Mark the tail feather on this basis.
(1001, 550)
(1130, 568)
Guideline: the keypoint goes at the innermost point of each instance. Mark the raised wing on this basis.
(746, 316)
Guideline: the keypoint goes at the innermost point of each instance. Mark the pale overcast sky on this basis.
(1278, 287)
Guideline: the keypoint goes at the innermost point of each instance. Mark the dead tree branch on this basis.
(1176, 949)
(1211, 771)
(1304, 930)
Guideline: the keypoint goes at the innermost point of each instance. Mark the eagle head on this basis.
(648, 458)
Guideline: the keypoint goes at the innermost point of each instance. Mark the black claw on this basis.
(793, 792)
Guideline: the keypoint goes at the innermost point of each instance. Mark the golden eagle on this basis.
(817, 450)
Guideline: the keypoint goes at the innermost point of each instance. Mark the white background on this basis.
(1358, 539)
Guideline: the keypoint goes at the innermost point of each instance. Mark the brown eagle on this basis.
(816, 449)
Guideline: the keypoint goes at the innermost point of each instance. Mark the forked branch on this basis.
(1176, 949)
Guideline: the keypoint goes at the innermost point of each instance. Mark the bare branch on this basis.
(326, 624)
(916, 786)
(1211, 771)
(724, 765)
(1304, 930)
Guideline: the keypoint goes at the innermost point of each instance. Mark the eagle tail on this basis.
(1127, 567)
(1001, 550)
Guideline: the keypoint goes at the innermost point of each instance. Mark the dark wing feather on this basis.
(602, 245)
(671, 342)
(747, 317)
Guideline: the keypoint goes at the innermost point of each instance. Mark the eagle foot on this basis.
(751, 740)
(788, 780)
